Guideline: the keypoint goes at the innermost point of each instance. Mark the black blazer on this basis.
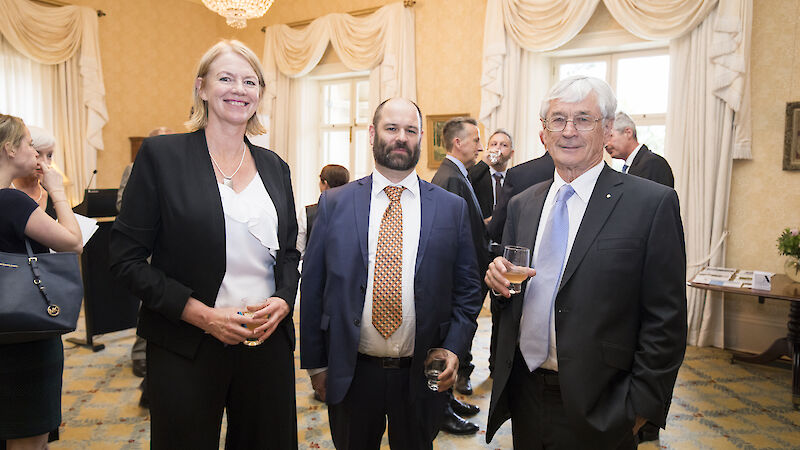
(172, 210)
(481, 180)
(649, 165)
(518, 178)
(620, 311)
(451, 179)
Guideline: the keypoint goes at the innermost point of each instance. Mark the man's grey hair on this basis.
(41, 138)
(576, 88)
(503, 131)
(622, 121)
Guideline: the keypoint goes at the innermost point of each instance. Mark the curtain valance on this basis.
(362, 43)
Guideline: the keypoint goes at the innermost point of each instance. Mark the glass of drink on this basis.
(435, 364)
(251, 301)
(493, 156)
(516, 268)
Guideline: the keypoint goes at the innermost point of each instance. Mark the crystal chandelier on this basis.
(236, 12)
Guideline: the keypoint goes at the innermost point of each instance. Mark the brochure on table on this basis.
(728, 277)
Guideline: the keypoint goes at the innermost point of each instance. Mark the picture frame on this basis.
(791, 140)
(434, 144)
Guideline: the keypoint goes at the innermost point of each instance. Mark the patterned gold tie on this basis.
(387, 304)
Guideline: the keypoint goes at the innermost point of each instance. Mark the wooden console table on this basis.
(782, 289)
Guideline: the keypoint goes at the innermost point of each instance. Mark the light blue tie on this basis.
(534, 339)
(624, 168)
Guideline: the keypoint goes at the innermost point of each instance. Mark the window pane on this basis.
(642, 84)
(336, 106)
(595, 69)
(653, 137)
(363, 154)
(336, 147)
(362, 92)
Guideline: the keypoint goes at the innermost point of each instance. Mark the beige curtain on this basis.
(708, 119)
(382, 42)
(659, 19)
(66, 36)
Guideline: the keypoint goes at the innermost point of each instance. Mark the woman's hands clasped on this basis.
(230, 326)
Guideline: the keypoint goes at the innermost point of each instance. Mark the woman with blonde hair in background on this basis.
(216, 213)
(30, 372)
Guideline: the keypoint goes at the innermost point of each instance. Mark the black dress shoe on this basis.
(463, 409)
(648, 432)
(139, 367)
(463, 385)
(454, 424)
(144, 402)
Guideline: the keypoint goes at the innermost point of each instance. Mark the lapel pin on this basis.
(608, 195)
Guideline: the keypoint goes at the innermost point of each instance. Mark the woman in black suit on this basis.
(217, 216)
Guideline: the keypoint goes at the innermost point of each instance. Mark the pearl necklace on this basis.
(228, 180)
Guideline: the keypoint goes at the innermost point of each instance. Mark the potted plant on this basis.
(789, 245)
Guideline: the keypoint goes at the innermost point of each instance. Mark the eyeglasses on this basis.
(581, 123)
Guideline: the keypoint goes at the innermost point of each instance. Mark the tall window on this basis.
(345, 117)
(639, 79)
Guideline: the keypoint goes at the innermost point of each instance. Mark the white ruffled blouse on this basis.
(251, 244)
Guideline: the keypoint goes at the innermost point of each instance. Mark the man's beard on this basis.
(396, 161)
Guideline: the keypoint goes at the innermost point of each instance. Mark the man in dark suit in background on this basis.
(639, 160)
(389, 274)
(642, 162)
(462, 140)
(488, 175)
(518, 178)
(590, 349)
(487, 178)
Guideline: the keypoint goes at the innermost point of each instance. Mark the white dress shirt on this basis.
(401, 342)
(631, 157)
(576, 207)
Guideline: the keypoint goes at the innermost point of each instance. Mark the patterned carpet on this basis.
(716, 404)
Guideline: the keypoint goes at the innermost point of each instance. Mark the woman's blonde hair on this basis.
(12, 129)
(199, 115)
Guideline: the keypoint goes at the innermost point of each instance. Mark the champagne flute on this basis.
(518, 260)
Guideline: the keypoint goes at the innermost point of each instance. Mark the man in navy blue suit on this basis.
(389, 274)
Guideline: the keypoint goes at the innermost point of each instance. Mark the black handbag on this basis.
(40, 295)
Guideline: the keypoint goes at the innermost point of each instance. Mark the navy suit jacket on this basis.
(620, 310)
(450, 178)
(334, 281)
(483, 185)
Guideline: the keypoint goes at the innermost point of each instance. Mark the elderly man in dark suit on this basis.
(639, 160)
(389, 274)
(584, 360)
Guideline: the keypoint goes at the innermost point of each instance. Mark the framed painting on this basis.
(791, 140)
(434, 143)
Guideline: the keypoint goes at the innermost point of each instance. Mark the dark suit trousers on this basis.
(538, 418)
(358, 422)
(255, 385)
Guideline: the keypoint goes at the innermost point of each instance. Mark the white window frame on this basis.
(352, 126)
(611, 59)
